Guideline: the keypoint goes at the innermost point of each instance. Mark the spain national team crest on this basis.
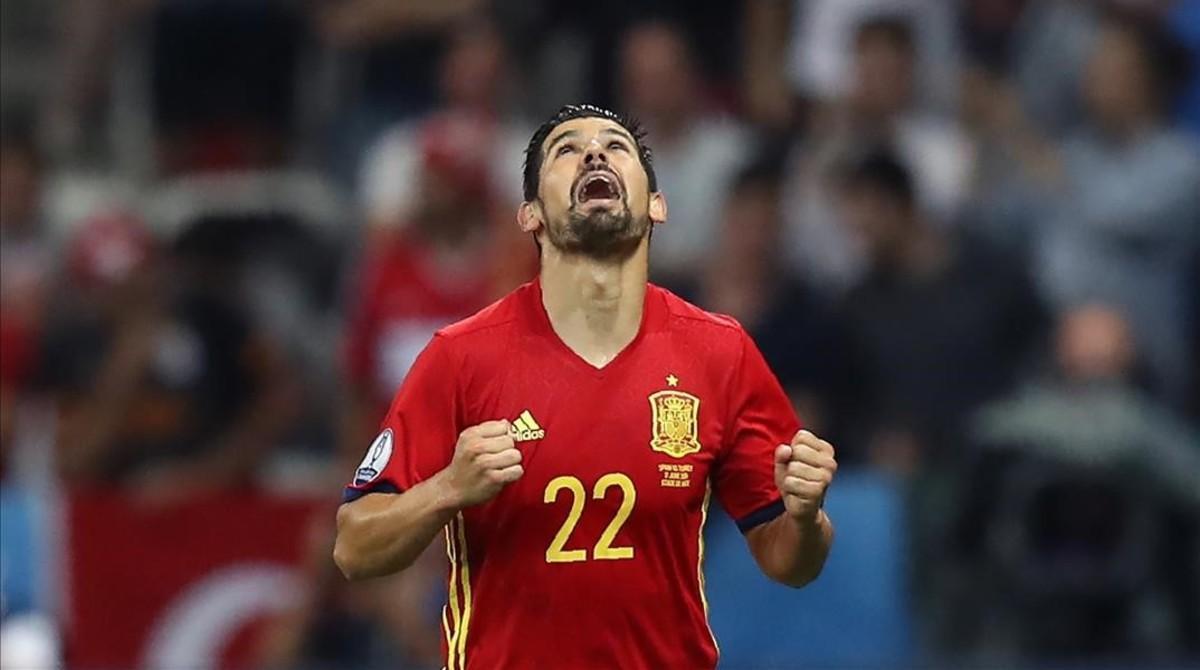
(675, 418)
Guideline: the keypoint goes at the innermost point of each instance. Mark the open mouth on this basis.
(598, 186)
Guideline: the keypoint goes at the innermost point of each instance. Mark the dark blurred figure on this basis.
(224, 77)
(1183, 21)
(1126, 219)
(439, 265)
(879, 107)
(1084, 506)
(746, 278)
(27, 263)
(573, 49)
(696, 151)
(395, 46)
(938, 325)
(161, 382)
(384, 623)
(385, 66)
(474, 84)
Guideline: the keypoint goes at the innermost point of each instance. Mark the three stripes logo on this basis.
(525, 428)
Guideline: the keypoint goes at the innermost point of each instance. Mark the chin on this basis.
(601, 231)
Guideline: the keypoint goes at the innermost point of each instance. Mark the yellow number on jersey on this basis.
(603, 549)
(555, 553)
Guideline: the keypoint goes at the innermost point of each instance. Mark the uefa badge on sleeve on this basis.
(376, 459)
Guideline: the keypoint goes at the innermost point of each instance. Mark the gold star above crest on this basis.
(672, 380)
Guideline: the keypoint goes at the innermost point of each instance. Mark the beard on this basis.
(600, 233)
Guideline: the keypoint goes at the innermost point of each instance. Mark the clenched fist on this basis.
(485, 461)
(803, 472)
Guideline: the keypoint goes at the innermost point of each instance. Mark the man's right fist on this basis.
(485, 461)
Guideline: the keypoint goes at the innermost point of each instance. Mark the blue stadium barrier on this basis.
(21, 564)
(855, 615)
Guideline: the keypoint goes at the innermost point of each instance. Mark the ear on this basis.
(658, 208)
(529, 217)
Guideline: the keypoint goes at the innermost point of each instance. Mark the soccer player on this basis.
(568, 438)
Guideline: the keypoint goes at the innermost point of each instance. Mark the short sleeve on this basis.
(418, 434)
(760, 419)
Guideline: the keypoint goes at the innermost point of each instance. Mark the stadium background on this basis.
(228, 226)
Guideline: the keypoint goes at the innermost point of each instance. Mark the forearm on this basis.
(383, 534)
(791, 551)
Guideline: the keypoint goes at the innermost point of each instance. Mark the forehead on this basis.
(584, 128)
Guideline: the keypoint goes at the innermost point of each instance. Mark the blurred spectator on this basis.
(26, 265)
(392, 622)
(159, 379)
(223, 83)
(1184, 24)
(824, 32)
(385, 66)
(474, 80)
(26, 250)
(879, 107)
(1089, 482)
(1010, 185)
(938, 325)
(1052, 41)
(571, 51)
(397, 44)
(442, 264)
(695, 152)
(1091, 412)
(1126, 224)
(746, 278)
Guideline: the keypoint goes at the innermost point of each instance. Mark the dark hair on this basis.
(17, 136)
(879, 168)
(895, 29)
(533, 152)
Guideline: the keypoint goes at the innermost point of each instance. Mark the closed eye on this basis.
(565, 149)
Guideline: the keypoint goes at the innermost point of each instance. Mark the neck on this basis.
(595, 305)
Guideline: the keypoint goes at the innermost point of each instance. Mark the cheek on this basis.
(636, 183)
(556, 190)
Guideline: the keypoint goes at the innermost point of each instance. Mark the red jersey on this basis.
(594, 558)
(406, 298)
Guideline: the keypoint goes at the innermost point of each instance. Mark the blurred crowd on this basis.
(966, 236)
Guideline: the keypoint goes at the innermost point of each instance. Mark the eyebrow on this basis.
(619, 133)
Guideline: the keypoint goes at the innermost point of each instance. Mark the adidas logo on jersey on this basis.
(525, 428)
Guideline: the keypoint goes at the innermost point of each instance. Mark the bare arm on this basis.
(792, 548)
(382, 534)
(791, 551)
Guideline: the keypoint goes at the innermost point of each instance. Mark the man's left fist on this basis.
(803, 471)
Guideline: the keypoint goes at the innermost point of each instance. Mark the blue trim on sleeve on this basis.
(760, 516)
(351, 494)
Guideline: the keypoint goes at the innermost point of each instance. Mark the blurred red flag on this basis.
(185, 584)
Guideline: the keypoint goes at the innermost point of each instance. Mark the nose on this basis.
(595, 155)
